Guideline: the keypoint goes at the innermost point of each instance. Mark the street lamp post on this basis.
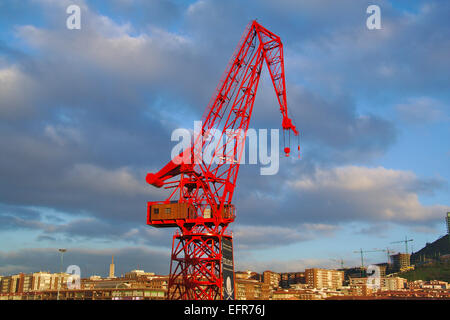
(60, 270)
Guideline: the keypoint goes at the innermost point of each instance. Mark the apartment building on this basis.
(272, 279)
(324, 278)
(248, 289)
(362, 285)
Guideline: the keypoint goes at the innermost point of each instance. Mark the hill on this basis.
(432, 250)
(437, 270)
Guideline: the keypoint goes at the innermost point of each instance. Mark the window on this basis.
(156, 210)
(167, 210)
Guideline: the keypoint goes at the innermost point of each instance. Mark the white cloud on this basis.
(257, 237)
(62, 135)
(422, 110)
(120, 181)
(111, 45)
(16, 91)
(353, 178)
(367, 193)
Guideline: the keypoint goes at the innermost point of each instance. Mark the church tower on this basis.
(111, 268)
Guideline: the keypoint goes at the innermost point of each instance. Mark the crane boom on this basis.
(230, 110)
(361, 252)
(405, 242)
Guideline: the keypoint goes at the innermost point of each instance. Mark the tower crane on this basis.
(200, 202)
(341, 261)
(388, 253)
(405, 241)
(361, 252)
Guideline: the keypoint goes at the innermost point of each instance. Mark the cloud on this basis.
(54, 229)
(62, 135)
(147, 12)
(426, 229)
(120, 181)
(96, 123)
(331, 51)
(335, 196)
(422, 110)
(375, 229)
(13, 84)
(360, 193)
(261, 237)
(335, 131)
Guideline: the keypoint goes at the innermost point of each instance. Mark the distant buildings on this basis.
(249, 289)
(38, 281)
(367, 286)
(254, 286)
(297, 294)
(44, 286)
(413, 294)
(291, 278)
(312, 284)
(140, 285)
(272, 279)
(135, 285)
(135, 274)
(434, 284)
(248, 275)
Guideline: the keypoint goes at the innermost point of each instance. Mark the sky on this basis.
(85, 114)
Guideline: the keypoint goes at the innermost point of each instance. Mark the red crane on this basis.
(200, 203)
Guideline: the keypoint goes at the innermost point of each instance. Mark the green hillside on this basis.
(439, 270)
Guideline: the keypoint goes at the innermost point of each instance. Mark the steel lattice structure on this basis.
(202, 190)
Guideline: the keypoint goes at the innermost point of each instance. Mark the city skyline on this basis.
(310, 284)
(390, 260)
(81, 110)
